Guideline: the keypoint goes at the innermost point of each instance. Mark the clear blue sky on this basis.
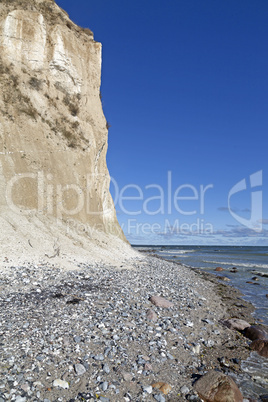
(185, 89)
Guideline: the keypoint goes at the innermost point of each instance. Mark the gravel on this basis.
(85, 334)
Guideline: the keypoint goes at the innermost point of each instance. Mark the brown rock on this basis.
(151, 315)
(217, 387)
(166, 388)
(218, 269)
(255, 332)
(260, 346)
(161, 302)
(236, 323)
(158, 385)
(163, 387)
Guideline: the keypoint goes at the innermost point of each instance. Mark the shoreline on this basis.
(89, 330)
(220, 283)
(245, 268)
(228, 293)
(236, 307)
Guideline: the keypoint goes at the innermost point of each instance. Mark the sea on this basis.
(251, 264)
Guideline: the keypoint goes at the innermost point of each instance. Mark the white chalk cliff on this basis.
(54, 183)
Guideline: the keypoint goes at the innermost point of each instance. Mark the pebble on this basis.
(25, 387)
(163, 387)
(151, 315)
(184, 390)
(148, 389)
(99, 357)
(60, 383)
(160, 398)
(106, 368)
(209, 343)
(79, 369)
(189, 324)
(104, 386)
(127, 376)
(208, 321)
(196, 349)
(160, 301)
(170, 356)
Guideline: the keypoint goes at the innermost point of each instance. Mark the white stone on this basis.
(148, 389)
(196, 349)
(60, 383)
(184, 389)
(189, 324)
(79, 369)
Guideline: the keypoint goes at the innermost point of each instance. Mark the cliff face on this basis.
(53, 133)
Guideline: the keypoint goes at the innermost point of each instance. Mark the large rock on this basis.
(234, 270)
(161, 302)
(263, 274)
(260, 346)
(217, 387)
(236, 323)
(54, 182)
(255, 332)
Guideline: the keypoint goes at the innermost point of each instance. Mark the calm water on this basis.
(247, 260)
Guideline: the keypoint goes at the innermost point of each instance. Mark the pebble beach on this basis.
(104, 333)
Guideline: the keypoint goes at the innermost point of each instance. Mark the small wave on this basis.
(237, 264)
(174, 252)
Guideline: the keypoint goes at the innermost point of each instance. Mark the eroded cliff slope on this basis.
(54, 182)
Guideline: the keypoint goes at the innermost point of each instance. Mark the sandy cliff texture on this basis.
(54, 182)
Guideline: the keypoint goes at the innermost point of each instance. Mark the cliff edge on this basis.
(54, 183)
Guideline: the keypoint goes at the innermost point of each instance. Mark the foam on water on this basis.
(235, 263)
(174, 252)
